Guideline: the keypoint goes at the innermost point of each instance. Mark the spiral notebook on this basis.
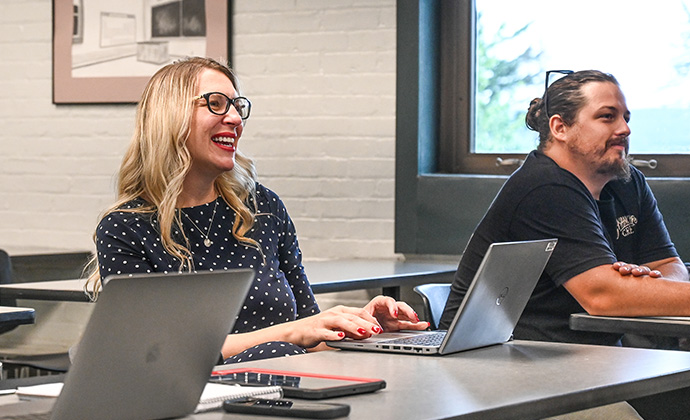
(214, 394)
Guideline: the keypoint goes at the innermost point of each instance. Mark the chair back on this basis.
(25, 364)
(434, 296)
(6, 277)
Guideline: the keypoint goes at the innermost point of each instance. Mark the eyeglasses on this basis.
(219, 104)
(547, 84)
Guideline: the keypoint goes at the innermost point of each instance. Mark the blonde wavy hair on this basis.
(157, 161)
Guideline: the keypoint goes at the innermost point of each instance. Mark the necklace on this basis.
(207, 242)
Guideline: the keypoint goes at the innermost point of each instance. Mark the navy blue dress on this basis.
(131, 243)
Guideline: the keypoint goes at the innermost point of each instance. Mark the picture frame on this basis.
(103, 54)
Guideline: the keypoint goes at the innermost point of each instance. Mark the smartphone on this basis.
(309, 386)
(286, 408)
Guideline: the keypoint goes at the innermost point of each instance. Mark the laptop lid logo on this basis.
(502, 296)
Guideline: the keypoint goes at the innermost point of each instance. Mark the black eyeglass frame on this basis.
(546, 88)
(230, 102)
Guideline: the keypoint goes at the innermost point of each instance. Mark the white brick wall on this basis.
(321, 75)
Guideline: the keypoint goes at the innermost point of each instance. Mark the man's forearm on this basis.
(604, 290)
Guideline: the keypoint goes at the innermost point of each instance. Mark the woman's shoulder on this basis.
(268, 202)
(267, 196)
(264, 191)
(133, 211)
(137, 203)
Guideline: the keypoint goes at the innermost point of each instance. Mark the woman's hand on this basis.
(393, 315)
(309, 332)
(636, 270)
(333, 324)
(381, 313)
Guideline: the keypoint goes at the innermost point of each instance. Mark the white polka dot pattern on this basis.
(266, 351)
(130, 243)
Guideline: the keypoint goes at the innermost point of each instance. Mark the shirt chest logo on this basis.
(625, 226)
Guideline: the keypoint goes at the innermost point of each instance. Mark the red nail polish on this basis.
(361, 331)
(341, 334)
(376, 330)
(396, 313)
(416, 316)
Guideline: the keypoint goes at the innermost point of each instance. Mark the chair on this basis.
(434, 296)
(32, 364)
(6, 278)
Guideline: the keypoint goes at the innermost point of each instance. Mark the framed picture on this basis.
(106, 51)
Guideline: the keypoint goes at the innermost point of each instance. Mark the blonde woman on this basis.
(188, 200)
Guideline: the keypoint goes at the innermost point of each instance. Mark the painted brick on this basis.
(321, 75)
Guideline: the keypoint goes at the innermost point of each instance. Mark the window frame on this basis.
(457, 64)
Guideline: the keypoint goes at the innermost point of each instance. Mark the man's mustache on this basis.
(625, 142)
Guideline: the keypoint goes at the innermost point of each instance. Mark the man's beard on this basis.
(616, 169)
(620, 169)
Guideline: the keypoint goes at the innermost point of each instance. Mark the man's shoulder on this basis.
(539, 170)
(541, 183)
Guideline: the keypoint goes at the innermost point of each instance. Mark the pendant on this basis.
(208, 243)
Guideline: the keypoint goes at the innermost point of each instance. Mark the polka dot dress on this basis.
(130, 243)
(266, 351)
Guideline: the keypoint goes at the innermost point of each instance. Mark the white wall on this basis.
(321, 75)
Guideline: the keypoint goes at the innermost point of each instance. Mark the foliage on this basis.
(499, 119)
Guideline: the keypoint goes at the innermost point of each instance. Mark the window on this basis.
(494, 54)
(182, 18)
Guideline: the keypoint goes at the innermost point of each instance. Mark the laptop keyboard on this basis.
(433, 340)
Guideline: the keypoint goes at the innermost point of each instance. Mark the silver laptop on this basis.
(149, 346)
(489, 312)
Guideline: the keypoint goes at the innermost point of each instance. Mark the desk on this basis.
(324, 276)
(389, 275)
(526, 380)
(661, 326)
(39, 265)
(60, 290)
(11, 316)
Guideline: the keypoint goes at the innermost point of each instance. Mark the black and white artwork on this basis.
(98, 42)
